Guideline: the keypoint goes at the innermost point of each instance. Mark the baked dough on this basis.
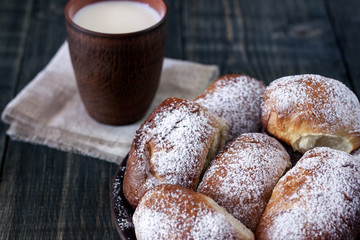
(243, 174)
(174, 145)
(174, 212)
(236, 98)
(319, 198)
(308, 111)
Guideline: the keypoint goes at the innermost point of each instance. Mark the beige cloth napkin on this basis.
(49, 110)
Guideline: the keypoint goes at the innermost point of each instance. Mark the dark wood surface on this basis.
(50, 194)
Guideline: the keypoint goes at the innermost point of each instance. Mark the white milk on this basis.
(116, 17)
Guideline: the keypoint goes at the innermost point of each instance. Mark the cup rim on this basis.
(112, 35)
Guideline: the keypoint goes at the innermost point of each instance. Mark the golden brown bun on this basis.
(243, 174)
(173, 145)
(174, 212)
(308, 111)
(319, 198)
(236, 98)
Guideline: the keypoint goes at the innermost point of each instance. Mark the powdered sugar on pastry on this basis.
(173, 146)
(174, 212)
(237, 99)
(178, 142)
(307, 111)
(319, 198)
(243, 174)
(330, 107)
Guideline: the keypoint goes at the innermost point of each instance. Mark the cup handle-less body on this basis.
(117, 74)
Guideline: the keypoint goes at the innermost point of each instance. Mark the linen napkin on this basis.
(49, 110)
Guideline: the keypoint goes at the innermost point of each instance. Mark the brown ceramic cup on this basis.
(117, 74)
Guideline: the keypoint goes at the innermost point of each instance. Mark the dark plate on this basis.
(121, 211)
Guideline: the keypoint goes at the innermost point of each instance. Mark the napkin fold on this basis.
(49, 110)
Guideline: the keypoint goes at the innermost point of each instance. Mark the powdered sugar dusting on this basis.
(176, 213)
(237, 99)
(318, 198)
(179, 141)
(326, 103)
(121, 209)
(243, 174)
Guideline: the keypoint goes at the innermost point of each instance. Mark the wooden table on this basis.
(50, 194)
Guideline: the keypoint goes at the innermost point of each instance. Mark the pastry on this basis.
(308, 111)
(175, 212)
(319, 198)
(174, 145)
(243, 174)
(236, 98)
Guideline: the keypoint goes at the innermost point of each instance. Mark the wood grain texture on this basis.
(265, 39)
(43, 38)
(345, 19)
(14, 25)
(47, 194)
(174, 46)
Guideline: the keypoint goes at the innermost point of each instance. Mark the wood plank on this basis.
(265, 39)
(174, 47)
(346, 23)
(48, 194)
(13, 24)
(46, 35)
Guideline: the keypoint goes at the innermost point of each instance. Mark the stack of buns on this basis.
(203, 169)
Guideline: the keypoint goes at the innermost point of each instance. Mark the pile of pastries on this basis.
(218, 166)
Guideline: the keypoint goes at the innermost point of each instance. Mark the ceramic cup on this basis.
(117, 74)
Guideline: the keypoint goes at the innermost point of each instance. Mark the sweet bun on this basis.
(319, 198)
(174, 212)
(243, 174)
(236, 98)
(174, 145)
(308, 111)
